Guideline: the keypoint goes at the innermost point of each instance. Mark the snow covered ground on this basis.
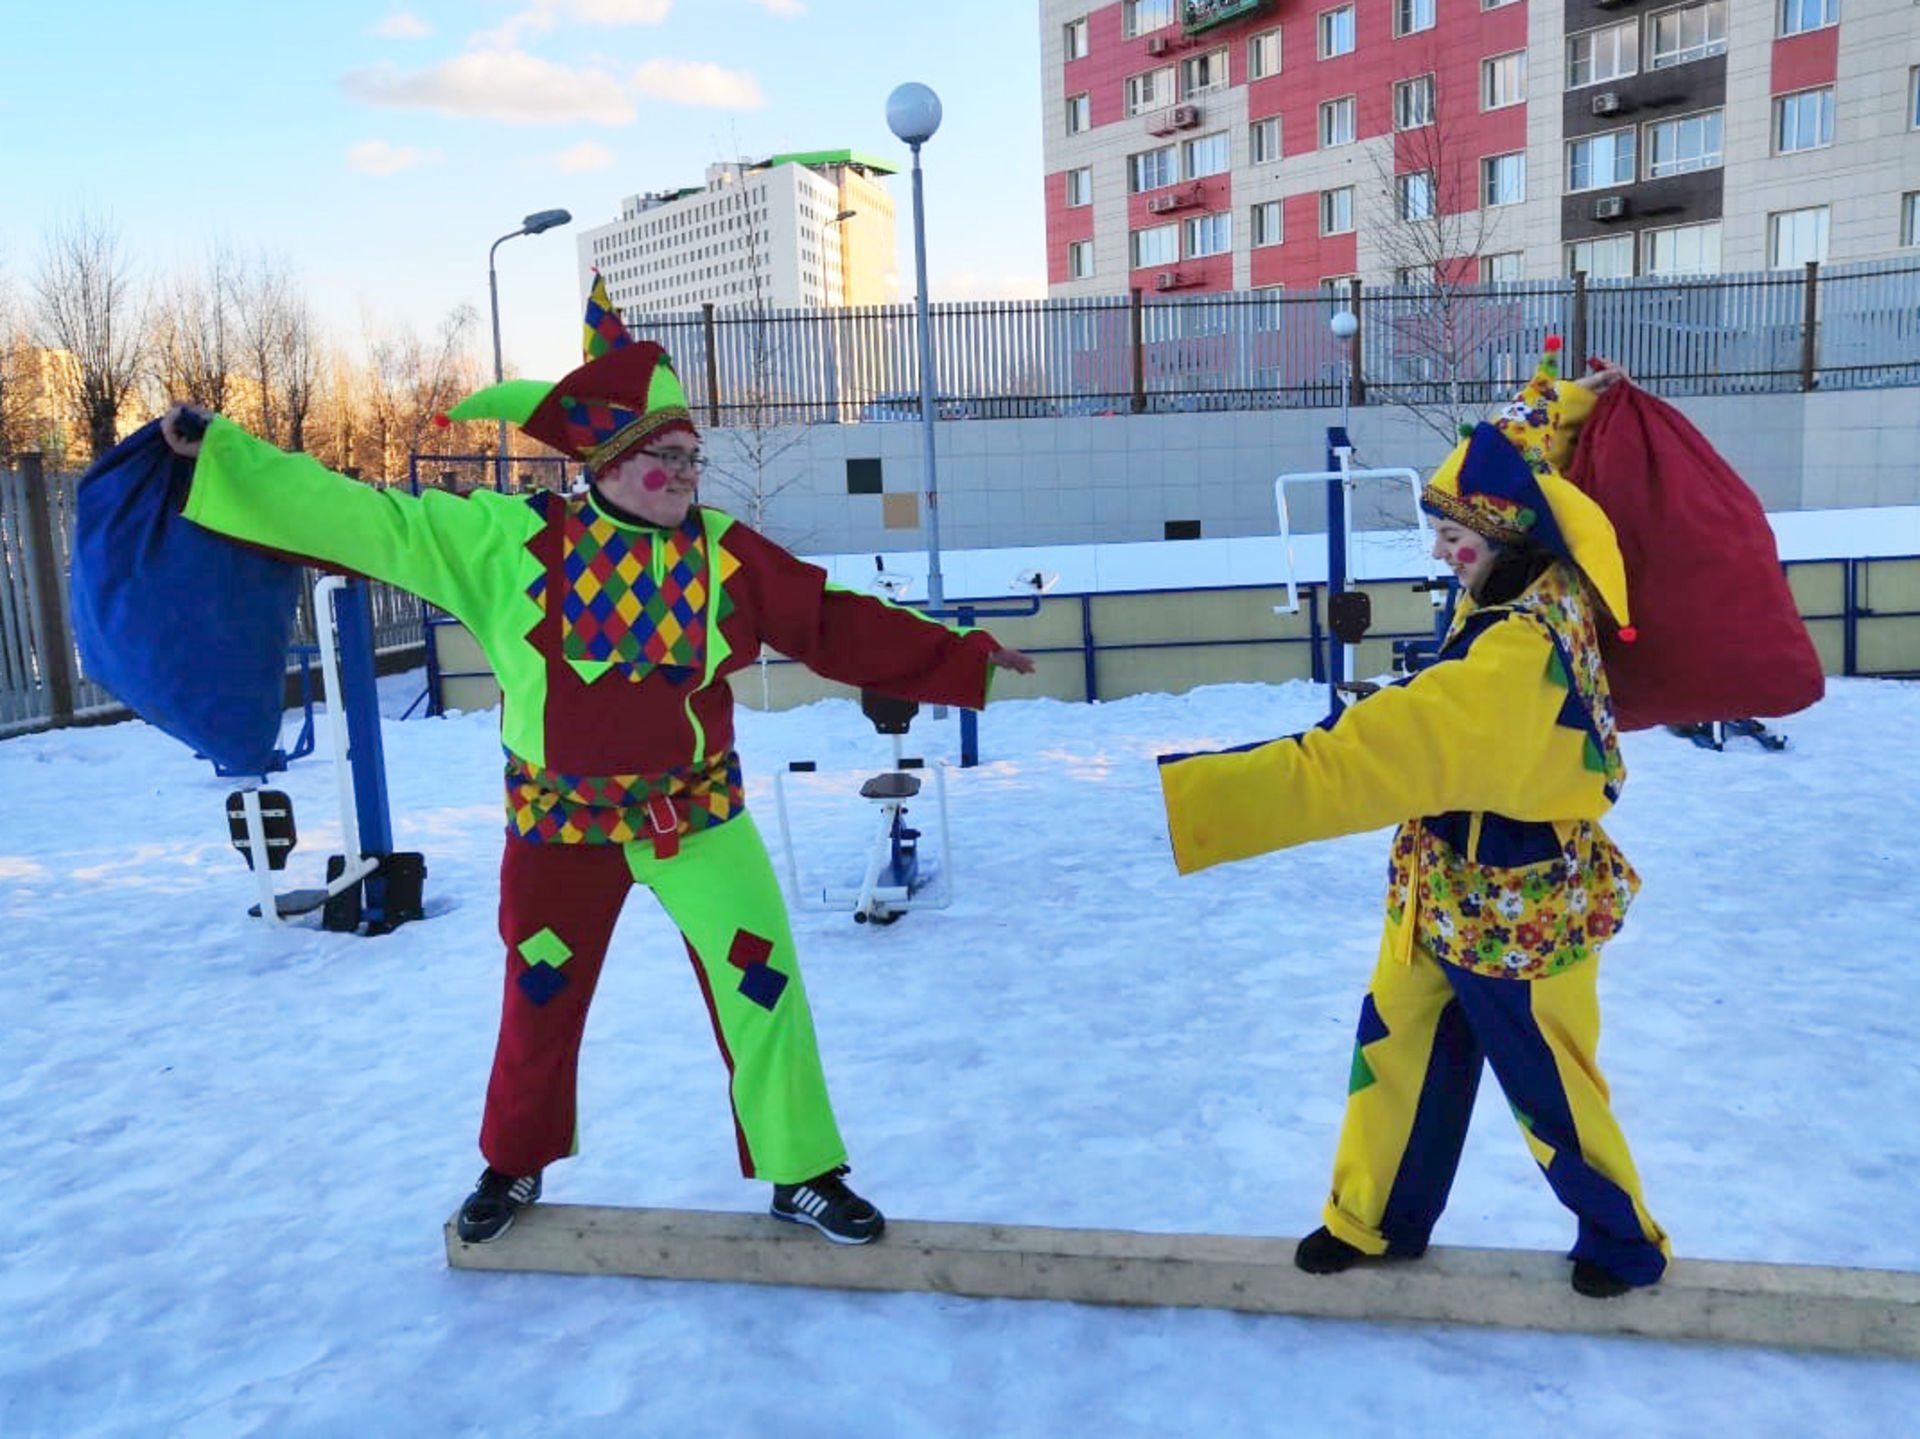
(231, 1149)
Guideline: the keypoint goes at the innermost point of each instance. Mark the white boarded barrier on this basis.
(1775, 1305)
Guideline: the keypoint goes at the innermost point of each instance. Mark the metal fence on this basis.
(1832, 328)
(41, 680)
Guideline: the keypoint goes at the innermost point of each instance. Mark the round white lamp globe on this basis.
(1343, 325)
(913, 112)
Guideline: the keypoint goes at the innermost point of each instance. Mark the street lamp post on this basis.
(534, 224)
(913, 114)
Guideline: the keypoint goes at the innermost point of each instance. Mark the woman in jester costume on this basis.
(1503, 888)
(612, 619)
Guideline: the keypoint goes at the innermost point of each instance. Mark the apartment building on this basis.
(1245, 144)
(792, 231)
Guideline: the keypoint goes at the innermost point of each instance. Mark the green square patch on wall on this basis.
(863, 477)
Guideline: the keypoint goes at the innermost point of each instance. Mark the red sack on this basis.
(1719, 636)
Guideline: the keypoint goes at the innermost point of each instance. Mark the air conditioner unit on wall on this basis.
(1610, 207)
(1607, 102)
(1160, 204)
(1156, 44)
(1167, 280)
(1185, 117)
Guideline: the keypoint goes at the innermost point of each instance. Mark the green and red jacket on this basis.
(611, 641)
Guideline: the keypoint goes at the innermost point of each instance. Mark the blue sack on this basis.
(191, 631)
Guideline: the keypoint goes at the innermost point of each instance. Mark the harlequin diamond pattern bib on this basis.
(638, 600)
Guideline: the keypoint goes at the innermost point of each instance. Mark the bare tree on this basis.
(19, 378)
(409, 381)
(193, 338)
(1431, 225)
(85, 305)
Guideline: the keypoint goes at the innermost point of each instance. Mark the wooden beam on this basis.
(1774, 1305)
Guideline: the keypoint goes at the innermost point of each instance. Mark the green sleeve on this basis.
(453, 552)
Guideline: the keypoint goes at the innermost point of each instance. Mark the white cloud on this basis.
(782, 7)
(697, 82)
(377, 157)
(498, 85)
(403, 25)
(587, 155)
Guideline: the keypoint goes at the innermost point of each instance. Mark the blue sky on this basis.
(380, 148)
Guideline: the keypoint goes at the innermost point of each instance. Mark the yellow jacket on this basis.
(1498, 757)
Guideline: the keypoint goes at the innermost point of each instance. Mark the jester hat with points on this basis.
(623, 396)
(1501, 482)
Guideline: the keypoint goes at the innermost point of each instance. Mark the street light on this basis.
(537, 223)
(913, 114)
(1345, 325)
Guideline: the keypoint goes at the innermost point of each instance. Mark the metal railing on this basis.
(1842, 327)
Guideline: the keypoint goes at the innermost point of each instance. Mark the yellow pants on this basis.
(1425, 1029)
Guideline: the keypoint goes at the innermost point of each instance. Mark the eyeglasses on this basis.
(683, 461)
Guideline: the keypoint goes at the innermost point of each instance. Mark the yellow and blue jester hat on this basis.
(624, 395)
(1502, 481)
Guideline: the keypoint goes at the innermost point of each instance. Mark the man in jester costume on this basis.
(612, 619)
(1502, 888)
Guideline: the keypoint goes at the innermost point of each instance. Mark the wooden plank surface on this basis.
(1774, 1305)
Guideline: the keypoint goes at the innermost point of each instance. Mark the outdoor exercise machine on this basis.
(1350, 611)
(369, 888)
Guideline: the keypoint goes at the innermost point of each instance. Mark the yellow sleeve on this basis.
(1576, 403)
(1477, 733)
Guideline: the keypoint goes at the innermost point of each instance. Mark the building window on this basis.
(1684, 250)
(1910, 218)
(1503, 80)
(1142, 17)
(1913, 98)
(1599, 161)
(1076, 37)
(1336, 211)
(1503, 179)
(1080, 260)
(1080, 186)
(1337, 122)
(1608, 258)
(1803, 121)
(1336, 32)
(1209, 235)
(1263, 140)
(1152, 169)
(1797, 236)
(1412, 15)
(1202, 73)
(1159, 245)
(1494, 4)
(1502, 268)
(1339, 285)
(1414, 195)
(1690, 32)
(1605, 54)
(1678, 147)
(1209, 155)
(1079, 114)
(1263, 55)
(1799, 15)
(1150, 90)
(1413, 102)
(1269, 228)
(1411, 277)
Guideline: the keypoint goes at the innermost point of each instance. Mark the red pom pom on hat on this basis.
(1628, 634)
(441, 422)
(1553, 343)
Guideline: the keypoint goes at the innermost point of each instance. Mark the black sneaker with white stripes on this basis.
(489, 1210)
(829, 1206)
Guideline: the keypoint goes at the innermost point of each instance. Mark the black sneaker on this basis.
(489, 1210)
(829, 1206)
(1324, 1252)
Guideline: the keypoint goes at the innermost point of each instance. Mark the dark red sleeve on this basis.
(854, 638)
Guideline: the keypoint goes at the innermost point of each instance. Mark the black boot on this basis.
(1324, 1252)
(1595, 1282)
(489, 1210)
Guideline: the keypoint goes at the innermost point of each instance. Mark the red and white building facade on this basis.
(1247, 144)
